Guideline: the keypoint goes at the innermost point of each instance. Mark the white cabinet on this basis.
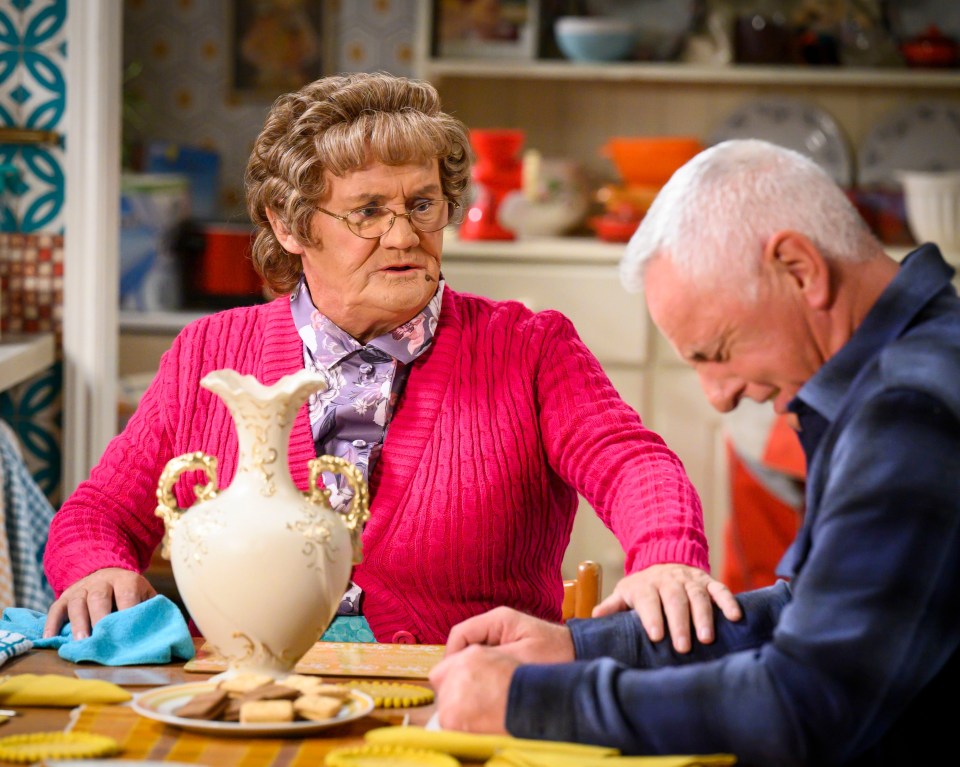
(24, 356)
(580, 277)
(569, 110)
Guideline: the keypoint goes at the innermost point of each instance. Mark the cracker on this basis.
(271, 691)
(305, 683)
(331, 691)
(245, 682)
(317, 707)
(232, 712)
(266, 711)
(206, 705)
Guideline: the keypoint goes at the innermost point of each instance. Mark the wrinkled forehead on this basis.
(690, 314)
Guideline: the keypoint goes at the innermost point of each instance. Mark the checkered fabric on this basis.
(28, 514)
(6, 566)
(12, 644)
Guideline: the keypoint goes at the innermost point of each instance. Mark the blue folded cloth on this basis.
(150, 632)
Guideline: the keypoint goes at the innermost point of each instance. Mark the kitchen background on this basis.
(862, 86)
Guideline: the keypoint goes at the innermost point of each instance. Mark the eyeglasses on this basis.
(373, 221)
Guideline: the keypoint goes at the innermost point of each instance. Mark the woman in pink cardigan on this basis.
(476, 422)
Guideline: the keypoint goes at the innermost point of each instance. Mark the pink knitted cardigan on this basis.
(503, 420)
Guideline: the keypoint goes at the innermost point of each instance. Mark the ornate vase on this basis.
(261, 566)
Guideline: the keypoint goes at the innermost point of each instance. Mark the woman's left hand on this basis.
(682, 593)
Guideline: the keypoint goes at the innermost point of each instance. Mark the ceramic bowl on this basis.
(932, 200)
(587, 38)
(650, 160)
(548, 218)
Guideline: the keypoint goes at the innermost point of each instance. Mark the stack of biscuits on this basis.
(259, 699)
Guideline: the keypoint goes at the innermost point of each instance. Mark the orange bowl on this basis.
(650, 160)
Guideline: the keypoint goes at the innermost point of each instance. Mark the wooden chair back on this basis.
(582, 594)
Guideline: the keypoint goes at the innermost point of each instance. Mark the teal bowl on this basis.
(582, 38)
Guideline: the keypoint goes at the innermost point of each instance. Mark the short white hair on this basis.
(716, 213)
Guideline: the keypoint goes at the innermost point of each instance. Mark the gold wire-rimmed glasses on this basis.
(373, 221)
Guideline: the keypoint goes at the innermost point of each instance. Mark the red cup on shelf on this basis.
(496, 173)
(226, 268)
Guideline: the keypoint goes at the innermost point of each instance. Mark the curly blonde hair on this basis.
(338, 124)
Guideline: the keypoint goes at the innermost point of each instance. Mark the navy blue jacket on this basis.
(855, 660)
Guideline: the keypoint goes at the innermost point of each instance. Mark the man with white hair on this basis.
(765, 280)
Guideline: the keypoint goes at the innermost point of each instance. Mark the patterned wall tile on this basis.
(185, 89)
(376, 35)
(33, 95)
(31, 301)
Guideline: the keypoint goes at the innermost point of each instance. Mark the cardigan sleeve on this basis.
(598, 444)
(109, 520)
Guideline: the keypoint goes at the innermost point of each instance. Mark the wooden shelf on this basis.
(546, 249)
(22, 357)
(669, 72)
(158, 322)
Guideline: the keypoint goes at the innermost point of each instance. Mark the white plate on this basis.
(795, 124)
(922, 136)
(159, 704)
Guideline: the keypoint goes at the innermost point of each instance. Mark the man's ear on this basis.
(796, 259)
(284, 236)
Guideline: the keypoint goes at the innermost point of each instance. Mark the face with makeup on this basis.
(371, 286)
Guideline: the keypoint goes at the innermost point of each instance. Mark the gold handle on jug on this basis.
(167, 508)
(357, 513)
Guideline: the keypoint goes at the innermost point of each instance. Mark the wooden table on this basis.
(171, 743)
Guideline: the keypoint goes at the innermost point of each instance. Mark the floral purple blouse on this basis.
(350, 418)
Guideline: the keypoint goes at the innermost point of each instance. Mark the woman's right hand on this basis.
(95, 596)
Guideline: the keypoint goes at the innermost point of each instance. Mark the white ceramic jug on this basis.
(261, 566)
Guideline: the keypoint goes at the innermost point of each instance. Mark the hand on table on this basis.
(91, 598)
(521, 636)
(472, 681)
(680, 592)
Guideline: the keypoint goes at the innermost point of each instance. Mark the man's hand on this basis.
(522, 637)
(473, 680)
(471, 688)
(680, 592)
(91, 598)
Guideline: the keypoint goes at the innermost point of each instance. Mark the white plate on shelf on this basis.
(159, 704)
(795, 124)
(922, 136)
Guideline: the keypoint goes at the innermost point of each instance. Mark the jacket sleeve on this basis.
(621, 636)
(598, 445)
(869, 627)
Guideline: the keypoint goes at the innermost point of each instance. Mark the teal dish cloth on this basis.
(150, 632)
(348, 628)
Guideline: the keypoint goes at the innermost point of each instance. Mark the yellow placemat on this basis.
(57, 690)
(515, 757)
(388, 756)
(31, 748)
(465, 745)
(394, 694)
(399, 661)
